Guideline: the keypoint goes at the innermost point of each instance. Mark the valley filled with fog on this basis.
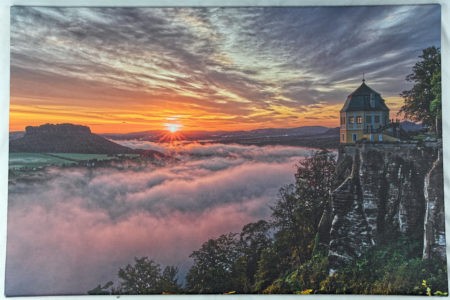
(77, 226)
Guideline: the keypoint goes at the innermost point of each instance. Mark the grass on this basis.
(35, 160)
(23, 160)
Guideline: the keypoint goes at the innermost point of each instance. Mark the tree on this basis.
(142, 278)
(254, 237)
(168, 280)
(102, 290)
(314, 181)
(296, 214)
(214, 270)
(436, 104)
(268, 269)
(417, 100)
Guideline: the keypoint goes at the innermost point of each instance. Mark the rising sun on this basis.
(172, 127)
(172, 135)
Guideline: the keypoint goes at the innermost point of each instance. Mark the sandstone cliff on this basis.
(64, 138)
(387, 190)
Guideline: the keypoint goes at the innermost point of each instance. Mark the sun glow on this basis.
(172, 127)
(172, 135)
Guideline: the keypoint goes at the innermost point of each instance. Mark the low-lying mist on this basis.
(76, 228)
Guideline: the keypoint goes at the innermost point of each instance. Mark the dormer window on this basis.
(372, 100)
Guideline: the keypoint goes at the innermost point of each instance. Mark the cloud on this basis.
(232, 61)
(77, 249)
(75, 227)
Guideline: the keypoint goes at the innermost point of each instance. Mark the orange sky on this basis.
(213, 69)
(138, 119)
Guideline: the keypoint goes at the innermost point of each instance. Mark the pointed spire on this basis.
(364, 80)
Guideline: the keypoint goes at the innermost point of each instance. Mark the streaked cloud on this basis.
(230, 64)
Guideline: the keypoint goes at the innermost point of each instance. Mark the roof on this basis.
(359, 100)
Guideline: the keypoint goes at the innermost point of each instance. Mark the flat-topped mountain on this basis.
(65, 138)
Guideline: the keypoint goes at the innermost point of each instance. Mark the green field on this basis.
(19, 161)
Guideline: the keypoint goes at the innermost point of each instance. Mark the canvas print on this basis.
(226, 150)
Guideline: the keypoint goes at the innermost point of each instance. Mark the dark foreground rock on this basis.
(388, 191)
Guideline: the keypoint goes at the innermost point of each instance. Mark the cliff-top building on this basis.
(364, 116)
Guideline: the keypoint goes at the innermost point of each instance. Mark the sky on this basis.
(134, 69)
(75, 228)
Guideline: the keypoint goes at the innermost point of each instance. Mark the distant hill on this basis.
(64, 138)
(154, 135)
(275, 132)
(306, 136)
(411, 126)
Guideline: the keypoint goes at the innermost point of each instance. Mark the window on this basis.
(377, 119)
(350, 120)
(342, 120)
(354, 137)
(380, 137)
(369, 119)
(372, 100)
(343, 138)
(358, 120)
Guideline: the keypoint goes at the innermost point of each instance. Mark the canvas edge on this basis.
(4, 110)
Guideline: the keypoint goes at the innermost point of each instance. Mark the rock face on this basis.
(388, 190)
(64, 138)
(58, 129)
(434, 228)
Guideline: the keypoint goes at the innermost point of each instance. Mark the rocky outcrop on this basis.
(349, 234)
(434, 225)
(390, 190)
(64, 138)
(58, 129)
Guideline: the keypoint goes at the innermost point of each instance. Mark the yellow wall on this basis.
(348, 130)
(348, 136)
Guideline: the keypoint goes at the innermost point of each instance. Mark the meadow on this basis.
(22, 160)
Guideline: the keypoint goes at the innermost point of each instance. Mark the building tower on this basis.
(364, 116)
